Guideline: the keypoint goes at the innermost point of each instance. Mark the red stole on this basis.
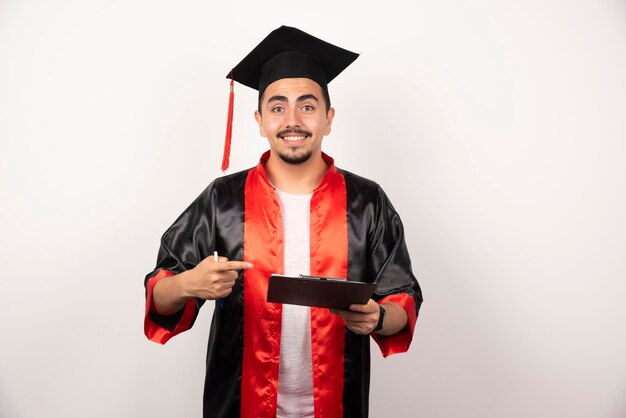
(263, 246)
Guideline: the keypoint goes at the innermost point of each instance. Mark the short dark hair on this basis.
(324, 94)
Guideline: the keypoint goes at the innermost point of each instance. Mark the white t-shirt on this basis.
(295, 370)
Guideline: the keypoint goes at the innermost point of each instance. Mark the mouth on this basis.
(293, 137)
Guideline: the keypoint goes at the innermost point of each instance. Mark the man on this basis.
(294, 213)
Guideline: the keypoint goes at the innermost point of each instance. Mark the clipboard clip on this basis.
(304, 276)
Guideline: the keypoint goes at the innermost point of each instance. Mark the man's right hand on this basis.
(208, 280)
(212, 280)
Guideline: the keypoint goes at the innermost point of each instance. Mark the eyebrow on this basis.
(308, 97)
(299, 99)
(277, 99)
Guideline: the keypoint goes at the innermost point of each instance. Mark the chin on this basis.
(295, 158)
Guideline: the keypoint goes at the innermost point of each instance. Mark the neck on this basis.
(296, 178)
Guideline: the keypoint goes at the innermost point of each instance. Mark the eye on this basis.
(308, 108)
(277, 109)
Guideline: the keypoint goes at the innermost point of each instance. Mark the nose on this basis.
(292, 117)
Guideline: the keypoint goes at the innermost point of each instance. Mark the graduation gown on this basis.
(355, 233)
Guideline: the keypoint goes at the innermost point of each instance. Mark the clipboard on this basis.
(321, 292)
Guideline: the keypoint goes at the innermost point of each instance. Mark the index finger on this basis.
(233, 265)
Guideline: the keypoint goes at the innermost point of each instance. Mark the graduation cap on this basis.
(285, 53)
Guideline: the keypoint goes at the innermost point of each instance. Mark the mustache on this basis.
(293, 131)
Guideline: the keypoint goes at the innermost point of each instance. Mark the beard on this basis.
(296, 158)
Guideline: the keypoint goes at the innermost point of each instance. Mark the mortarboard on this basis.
(285, 53)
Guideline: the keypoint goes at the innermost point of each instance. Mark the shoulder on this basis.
(362, 186)
(355, 179)
(221, 189)
(366, 196)
(229, 182)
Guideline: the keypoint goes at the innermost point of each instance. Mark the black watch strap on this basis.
(381, 319)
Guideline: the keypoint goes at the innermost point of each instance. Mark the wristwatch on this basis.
(381, 319)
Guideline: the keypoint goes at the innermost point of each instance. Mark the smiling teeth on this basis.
(293, 138)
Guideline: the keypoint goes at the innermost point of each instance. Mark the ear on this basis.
(329, 120)
(259, 119)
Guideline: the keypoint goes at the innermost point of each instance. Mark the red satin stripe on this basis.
(155, 332)
(329, 257)
(400, 342)
(263, 246)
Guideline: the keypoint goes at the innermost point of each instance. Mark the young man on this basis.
(294, 213)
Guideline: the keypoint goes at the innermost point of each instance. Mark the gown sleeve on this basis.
(389, 258)
(187, 242)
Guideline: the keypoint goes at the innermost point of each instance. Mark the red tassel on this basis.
(229, 127)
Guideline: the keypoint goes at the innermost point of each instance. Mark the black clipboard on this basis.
(321, 292)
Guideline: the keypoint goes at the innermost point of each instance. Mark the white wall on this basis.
(496, 127)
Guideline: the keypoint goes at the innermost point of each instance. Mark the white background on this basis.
(497, 128)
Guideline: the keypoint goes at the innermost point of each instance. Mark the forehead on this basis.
(292, 87)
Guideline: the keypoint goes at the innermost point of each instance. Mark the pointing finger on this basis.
(233, 265)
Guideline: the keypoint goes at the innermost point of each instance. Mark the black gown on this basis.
(355, 233)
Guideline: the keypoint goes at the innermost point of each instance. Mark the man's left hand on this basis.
(360, 319)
